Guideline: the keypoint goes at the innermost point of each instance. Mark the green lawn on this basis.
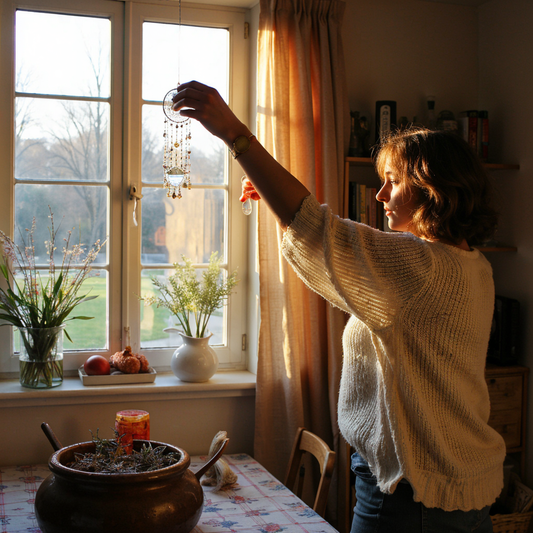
(153, 319)
(91, 334)
(87, 334)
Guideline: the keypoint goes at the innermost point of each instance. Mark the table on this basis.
(257, 503)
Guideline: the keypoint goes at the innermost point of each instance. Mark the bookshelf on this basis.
(350, 162)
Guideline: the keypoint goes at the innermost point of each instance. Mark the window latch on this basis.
(136, 196)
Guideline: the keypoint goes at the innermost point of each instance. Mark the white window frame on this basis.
(125, 165)
(230, 356)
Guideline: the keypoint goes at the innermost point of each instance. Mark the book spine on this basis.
(468, 121)
(484, 142)
(373, 203)
(503, 343)
(380, 216)
(362, 204)
(352, 200)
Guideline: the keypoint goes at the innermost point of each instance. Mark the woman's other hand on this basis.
(248, 190)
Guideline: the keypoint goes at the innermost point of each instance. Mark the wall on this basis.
(407, 50)
(506, 88)
(190, 423)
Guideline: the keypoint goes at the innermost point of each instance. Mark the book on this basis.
(353, 205)
(483, 135)
(503, 342)
(468, 124)
(363, 206)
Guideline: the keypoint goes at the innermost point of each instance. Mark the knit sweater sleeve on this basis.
(365, 272)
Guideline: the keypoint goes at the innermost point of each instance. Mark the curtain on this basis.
(303, 121)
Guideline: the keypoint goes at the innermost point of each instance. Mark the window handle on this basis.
(136, 196)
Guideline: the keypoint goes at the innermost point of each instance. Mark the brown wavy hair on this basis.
(453, 187)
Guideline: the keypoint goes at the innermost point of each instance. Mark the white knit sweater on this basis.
(413, 399)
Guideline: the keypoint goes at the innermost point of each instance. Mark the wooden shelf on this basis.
(367, 162)
(496, 248)
(500, 166)
(359, 161)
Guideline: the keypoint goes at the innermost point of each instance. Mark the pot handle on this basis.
(213, 460)
(50, 435)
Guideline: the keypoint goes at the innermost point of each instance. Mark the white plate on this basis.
(117, 379)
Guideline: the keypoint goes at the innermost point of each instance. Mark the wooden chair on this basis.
(306, 441)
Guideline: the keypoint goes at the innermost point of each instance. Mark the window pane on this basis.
(192, 226)
(61, 139)
(81, 208)
(204, 57)
(62, 54)
(154, 320)
(207, 151)
(85, 334)
(90, 334)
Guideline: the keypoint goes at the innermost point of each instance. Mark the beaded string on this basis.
(177, 140)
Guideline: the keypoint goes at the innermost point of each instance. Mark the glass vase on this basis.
(41, 357)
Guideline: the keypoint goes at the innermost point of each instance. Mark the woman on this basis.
(413, 400)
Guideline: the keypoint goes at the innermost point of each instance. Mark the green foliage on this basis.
(190, 300)
(39, 298)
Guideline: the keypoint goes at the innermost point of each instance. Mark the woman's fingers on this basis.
(248, 191)
(203, 103)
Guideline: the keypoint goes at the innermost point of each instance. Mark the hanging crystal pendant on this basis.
(177, 149)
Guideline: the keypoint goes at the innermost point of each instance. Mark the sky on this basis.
(72, 48)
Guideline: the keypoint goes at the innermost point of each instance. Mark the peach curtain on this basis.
(303, 121)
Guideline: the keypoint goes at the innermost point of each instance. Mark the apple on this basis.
(96, 365)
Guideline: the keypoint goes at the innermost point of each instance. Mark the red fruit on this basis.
(96, 365)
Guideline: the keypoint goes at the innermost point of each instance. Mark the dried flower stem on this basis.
(190, 300)
(35, 303)
(110, 457)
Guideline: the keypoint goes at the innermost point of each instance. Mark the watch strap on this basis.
(235, 152)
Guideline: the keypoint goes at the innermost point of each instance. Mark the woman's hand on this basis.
(278, 188)
(248, 190)
(204, 104)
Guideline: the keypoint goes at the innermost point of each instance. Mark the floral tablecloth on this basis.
(257, 503)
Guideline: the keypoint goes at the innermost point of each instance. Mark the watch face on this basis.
(241, 144)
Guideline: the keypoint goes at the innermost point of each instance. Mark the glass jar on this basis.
(132, 424)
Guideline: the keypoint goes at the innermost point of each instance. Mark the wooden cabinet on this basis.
(508, 400)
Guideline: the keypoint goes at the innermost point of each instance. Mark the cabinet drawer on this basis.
(505, 393)
(509, 425)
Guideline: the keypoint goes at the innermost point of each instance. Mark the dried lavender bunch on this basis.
(43, 298)
(110, 457)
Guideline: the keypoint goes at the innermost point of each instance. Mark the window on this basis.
(87, 123)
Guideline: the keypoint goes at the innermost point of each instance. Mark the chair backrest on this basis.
(306, 441)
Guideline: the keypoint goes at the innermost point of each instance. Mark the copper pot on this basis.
(169, 500)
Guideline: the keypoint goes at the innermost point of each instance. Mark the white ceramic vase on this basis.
(194, 360)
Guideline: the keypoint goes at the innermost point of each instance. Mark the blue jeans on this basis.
(376, 512)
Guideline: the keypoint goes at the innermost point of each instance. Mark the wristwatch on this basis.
(241, 145)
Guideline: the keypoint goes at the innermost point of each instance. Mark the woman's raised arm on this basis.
(281, 191)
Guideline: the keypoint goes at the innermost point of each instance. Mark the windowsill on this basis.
(166, 387)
